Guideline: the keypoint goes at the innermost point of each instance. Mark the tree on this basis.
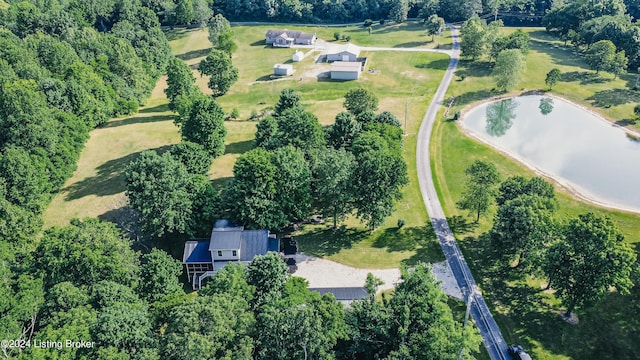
(509, 69)
(203, 12)
(459, 10)
(482, 177)
(590, 260)
(619, 64)
(600, 55)
(500, 116)
(524, 227)
(299, 128)
(372, 283)
(180, 80)
(553, 77)
(332, 171)
(289, 99)
(222, 330)
(266, 129)
(194, 157)
(84, 253)
(387, 117)
(516, 40)
(435, 25)
(293, 184)
(226, 43)
(378, 176)
(429, 7)
(218, 66)
(205, 126)
(359, 100)
(423, 326)
(399, 10)
(344, 131)
(268, 274)
(473, 41)
(218, 25)
(159, 274)
(160, 189)
(251, 197)
(636, 110)
(516, 186)
(184, 12)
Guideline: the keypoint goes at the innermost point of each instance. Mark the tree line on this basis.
(582, 258)
(86, 284)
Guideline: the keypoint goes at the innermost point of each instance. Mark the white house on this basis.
(287, 38)
(346, 70)
(348, 52)
(228, 243)
(282, 69)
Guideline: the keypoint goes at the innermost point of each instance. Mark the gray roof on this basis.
(253, 243)
(272, 33)
(344, 293)
(225, 240)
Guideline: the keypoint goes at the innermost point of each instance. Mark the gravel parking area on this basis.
(325, 273)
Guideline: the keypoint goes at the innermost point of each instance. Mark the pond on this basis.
(575, 147)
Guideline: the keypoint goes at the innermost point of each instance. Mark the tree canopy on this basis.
(509, 69)
(482, 177)
(222, 74)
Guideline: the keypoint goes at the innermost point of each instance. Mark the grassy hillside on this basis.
(526, 314)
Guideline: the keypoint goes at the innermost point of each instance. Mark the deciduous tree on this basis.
(159, 274)
(289, 99)
(435, 25)
(344, 131)
(553, 77)
(180, 80)
(222, 74)
(359, 100)
(590, 260)
(204, 125)
(194, 157)
(600, 55)
(509, 69)
(332, 171)
(482, 177)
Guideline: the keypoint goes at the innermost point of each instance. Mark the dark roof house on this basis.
(228, 243)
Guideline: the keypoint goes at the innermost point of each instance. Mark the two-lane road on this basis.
(491, 335)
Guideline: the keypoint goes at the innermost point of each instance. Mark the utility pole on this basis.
(406, 110)
(466, 320)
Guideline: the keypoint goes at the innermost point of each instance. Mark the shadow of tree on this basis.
(460, 225)
(260, 42)
(126, 218)
(325, 242)
(614, 97)
(239, 147)
(626, 122)
(412, 44)
(109, 178)
(137, 120)
(584, 77)
(440, 64)
(194, 54)
(405, 239)
(155, 109)
(468, 68)
(221, 182)
(558, 53)
(473, 96)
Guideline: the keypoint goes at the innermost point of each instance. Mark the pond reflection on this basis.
(500, 115)
(546, 106)
(566, 142)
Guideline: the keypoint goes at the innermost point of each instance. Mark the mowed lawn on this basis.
(527, 315)
(402, 81)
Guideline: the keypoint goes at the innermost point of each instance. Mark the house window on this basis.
(219, 253)
(235, 253)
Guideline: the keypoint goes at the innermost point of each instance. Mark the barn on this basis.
(345, 53)
(346, 70)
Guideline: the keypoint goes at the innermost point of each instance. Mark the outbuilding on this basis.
(347, 53)
(346, 70)
(282, 69)
(298, 56)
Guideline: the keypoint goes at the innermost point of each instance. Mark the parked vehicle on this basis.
(518, 353)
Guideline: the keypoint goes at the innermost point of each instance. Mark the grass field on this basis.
(525, 314)
(404, 81)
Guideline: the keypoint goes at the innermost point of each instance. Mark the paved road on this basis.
(491, 335)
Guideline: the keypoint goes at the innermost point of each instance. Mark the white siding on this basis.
(344, 75)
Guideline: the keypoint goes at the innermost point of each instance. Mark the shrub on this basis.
(347, 38)
(401, 223)
(367, 23)
(235, 113)
(636, 110)
(336, 35)
(456, 116)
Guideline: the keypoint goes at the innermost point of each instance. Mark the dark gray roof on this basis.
(306, 36)
(225, 240)
(344, 293)
(254, 243)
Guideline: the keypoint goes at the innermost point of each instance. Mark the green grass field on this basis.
(404, 81)
(525, 314)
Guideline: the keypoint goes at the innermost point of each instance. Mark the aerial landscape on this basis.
(430, 179)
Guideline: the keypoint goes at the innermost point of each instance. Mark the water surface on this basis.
(566, 142)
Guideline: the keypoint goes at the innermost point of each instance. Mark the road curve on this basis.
(491, 335)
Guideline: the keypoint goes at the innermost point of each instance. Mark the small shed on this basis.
(347, 52)
(282, 69)
(346, 70)
(298, 56)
